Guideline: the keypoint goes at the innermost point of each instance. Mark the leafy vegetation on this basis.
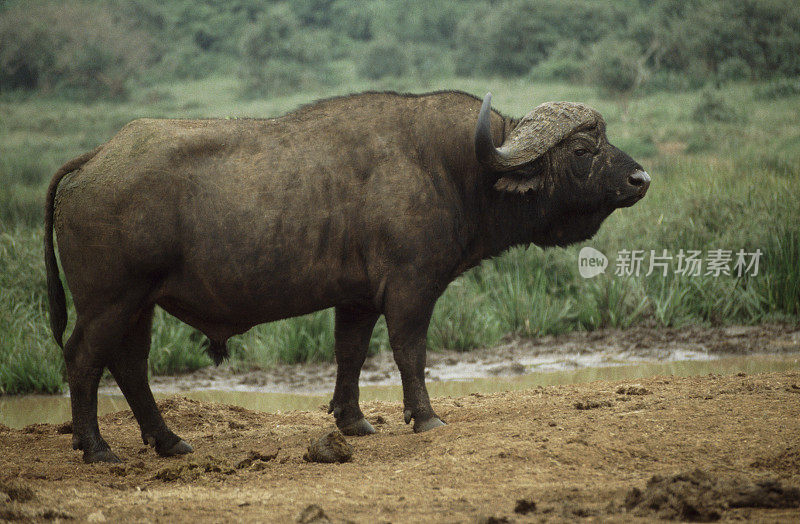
(96, 49)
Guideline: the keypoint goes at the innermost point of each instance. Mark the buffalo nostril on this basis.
(639, 179)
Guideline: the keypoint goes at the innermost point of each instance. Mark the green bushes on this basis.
(733, 68)
(566, 61)
(780, 88)
(673, 44)
(514, 36)
(93, 48)
(278, 56)
(614, 65)
(713, 108)
(79, 48)
(383, 59)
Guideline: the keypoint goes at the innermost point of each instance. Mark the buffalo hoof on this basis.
(427, 425)
(179, 448)
(103, 455)
(358, 428)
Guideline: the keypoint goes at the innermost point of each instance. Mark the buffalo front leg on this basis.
(352, 331)
(408, 329)
(129, 369)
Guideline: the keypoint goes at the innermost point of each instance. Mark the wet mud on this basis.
(515, 357)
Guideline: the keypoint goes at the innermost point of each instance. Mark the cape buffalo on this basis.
(371, 204)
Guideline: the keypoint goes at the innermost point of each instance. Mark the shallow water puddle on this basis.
(17, 412)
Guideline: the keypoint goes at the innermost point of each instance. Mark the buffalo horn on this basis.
(488, 155)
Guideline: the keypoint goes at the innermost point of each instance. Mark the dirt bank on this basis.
(554, 453)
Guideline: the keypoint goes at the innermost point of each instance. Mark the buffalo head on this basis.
(560, 152)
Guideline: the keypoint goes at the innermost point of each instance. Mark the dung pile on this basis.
(699, 497)
(193, 470)
(15, 490)
(329, 448)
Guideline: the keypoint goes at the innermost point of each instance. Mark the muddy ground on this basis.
(512, 358)
(710, 447)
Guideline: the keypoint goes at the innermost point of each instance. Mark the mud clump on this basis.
(313, 514)
(633, 389)
(787, 460)
(26, 514)
(524, 506)
(16, 491)
(492, 520)
(329, 448)
(696, 496)
(592, 404)
(122, 470)
(513, 368)
(194, 469)
(38, 429)
(257, 459)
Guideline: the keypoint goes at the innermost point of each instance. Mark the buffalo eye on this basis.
(581, 152)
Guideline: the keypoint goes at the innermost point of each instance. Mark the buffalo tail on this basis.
(57, 301)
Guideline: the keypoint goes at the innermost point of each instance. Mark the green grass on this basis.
(717, 183)
(29, 358)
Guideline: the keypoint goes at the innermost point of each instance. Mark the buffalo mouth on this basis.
(630, 200)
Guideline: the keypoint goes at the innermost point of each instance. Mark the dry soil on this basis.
(717, 447)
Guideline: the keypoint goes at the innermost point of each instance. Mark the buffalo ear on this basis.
(513, 183)
(529, 178)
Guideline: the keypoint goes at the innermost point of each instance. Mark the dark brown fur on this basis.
(371, 204)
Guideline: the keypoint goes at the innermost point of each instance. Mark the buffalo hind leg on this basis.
(129, 368)
(352, 331)
(84, 369)
(408, 329)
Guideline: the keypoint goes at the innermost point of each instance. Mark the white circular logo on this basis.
(591, 262)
